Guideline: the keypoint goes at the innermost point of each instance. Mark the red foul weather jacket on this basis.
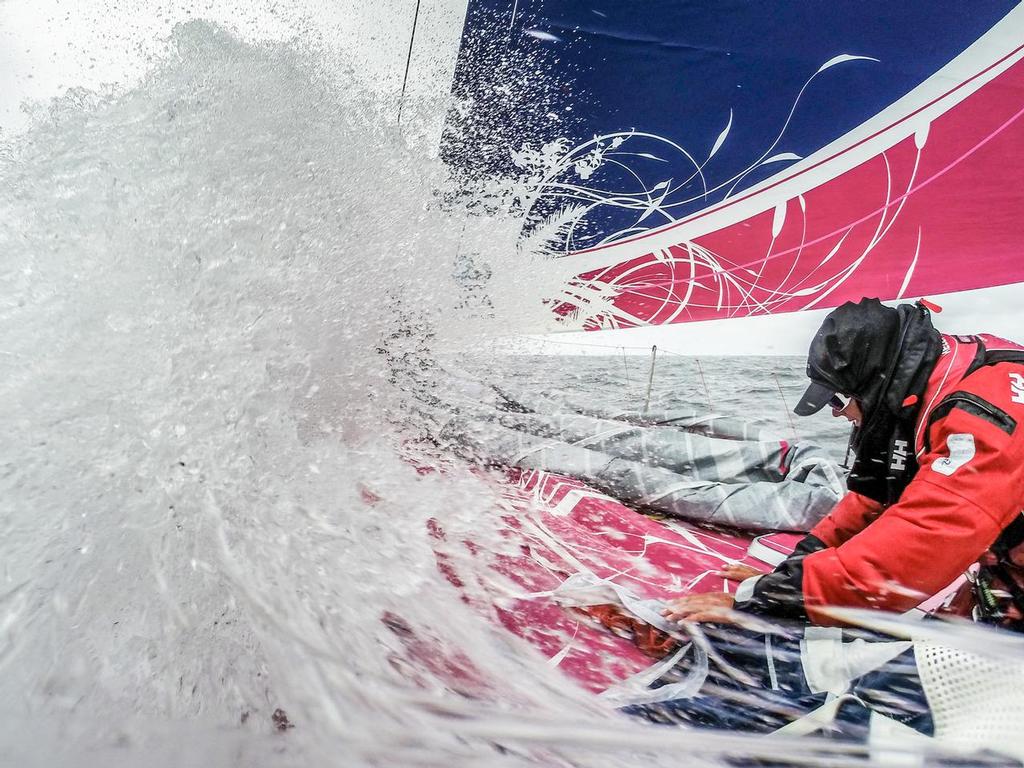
(968, 490)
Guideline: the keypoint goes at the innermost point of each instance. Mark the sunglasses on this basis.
(837, 403)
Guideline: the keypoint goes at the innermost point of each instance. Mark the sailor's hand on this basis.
(738, 572)
(714, 607)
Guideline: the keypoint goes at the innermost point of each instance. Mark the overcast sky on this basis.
(47, 46)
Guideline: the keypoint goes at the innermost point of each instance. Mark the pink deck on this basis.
(562, 527)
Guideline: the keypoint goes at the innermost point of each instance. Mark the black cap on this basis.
(814, 398)
(850, 353)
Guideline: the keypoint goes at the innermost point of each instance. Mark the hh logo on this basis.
(1017, 388)
(899, 455)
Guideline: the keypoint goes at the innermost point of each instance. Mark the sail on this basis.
(705, 161)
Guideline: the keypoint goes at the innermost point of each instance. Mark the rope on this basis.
(700, 370)
(408, 61)
(626, 367)
(785, 407)
(600, 346)
(650, 379)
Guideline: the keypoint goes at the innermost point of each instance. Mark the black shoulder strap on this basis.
(1004, 356)
(1011, 537)
(979, 353)
(985, 356)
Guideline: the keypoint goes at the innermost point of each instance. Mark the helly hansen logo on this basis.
(1017, 388)
(899, 455)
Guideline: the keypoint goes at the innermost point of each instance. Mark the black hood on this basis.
(883, 357)
(851, 354)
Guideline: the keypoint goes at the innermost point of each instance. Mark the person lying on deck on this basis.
(937, 484)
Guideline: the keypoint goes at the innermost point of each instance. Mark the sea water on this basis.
(761, 390)
(221, 292)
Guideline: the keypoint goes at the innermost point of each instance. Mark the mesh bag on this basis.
(976, 702)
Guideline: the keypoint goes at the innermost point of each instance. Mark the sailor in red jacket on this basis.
(937, 485)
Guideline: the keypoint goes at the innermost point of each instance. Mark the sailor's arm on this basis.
(966, 490)
(780, 594)
(851, 515)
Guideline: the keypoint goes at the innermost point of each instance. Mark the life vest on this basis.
(994, 594)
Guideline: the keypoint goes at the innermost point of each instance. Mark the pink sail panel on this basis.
(558, 527)
(939, 210)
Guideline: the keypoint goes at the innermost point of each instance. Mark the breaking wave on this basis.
(199, 277)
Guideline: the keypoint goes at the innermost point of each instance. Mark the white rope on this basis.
(625, 693)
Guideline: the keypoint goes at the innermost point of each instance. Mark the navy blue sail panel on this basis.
(532, 71)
